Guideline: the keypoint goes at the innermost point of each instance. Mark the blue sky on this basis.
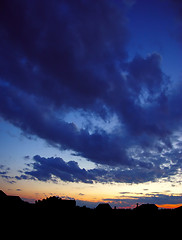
(90, 100)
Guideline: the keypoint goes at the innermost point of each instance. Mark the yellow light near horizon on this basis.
(169, 206)
(96, 192)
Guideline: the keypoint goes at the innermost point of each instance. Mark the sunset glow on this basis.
(90, 101)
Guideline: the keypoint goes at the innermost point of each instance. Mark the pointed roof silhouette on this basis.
(10, 201)
(2, 194)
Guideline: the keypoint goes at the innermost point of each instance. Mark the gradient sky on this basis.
(90, 100)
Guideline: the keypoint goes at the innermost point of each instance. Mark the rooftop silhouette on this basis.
(57, 208)
(147, 208)
(103, 207)
(11, 201)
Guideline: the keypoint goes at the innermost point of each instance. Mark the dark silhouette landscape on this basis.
(53, 210)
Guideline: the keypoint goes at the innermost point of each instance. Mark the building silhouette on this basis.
(103, 207)
(146, 209)
(7, 201)
(56, 209)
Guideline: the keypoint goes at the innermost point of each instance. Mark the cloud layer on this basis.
(55, 169)
(64, 56)
(159, 199)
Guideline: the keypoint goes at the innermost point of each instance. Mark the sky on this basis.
(90, 101)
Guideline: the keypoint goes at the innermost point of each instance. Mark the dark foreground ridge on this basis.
(54, 210)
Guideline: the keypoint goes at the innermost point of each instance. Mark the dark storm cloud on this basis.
(177, 6)
(24, 112)
(45, 168)
(144, 97)
(63, 54)
(59, 56)
(55, 168)
(63, 51)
